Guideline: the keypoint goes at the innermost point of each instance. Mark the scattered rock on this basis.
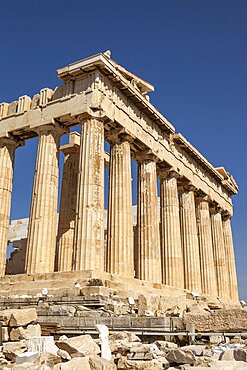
(21, 333)
(77, 363)
(82, 345)
(196, 349)
(27, 357)
(177, 356)
(124, 335)
(22, 317)
(5, 334)
(13, 349)
(164, 345)
(124, 363)
(64, 355)
(237, 354)
(216, 339)
(98, 363)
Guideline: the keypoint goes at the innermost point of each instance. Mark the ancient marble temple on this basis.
(183, 239)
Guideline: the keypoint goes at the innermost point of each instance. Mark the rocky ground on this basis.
(24, 348)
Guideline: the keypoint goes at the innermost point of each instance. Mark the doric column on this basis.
(120, 243)
(42, 227)
(89, 226)
(208, 275)
(148, 240)
(192, 273)
(67, 212)
(7, 155)
(220, 260)
(229, 251)
(171, 248)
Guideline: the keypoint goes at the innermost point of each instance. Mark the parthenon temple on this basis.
(181, 238)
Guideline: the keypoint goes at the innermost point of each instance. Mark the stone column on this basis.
(120, 239)
(148, 240)
(67, 212)
(208, 275)
(89, 226)
(171, 248)
(42, 227)
(220, 260)
(229, 250)
(192, 273)
(7, 155)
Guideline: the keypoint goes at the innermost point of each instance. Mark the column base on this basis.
(72, 284)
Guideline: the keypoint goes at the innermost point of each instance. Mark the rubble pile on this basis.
(24, 348)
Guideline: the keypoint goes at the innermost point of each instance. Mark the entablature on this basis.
(99, 86)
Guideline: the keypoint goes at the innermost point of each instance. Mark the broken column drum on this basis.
(182, 248)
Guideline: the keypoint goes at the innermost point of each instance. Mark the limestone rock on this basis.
(12, 349)
(79, 346)
(64, 355)
(216, 339)
(120, 346)
(21, 333)
(163, 361)
(124, 363)
(177, 356)
(124, 335)
(22, 317)
(98, 363)
(235, 340)
(5, 316)
(28, 366)
(196, 349)
(5, 334)
(164, 345)
(27, 357)
(77, 363)
(237, 354)
(48, 359)
(230, 365)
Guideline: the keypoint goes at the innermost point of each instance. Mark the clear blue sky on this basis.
(193, 51)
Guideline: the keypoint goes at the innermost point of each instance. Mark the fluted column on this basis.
(42, 227)
(67, 212)
(7, 155)
(89, 227)
(192, 273)
(120, 252)
(208, 275)
(220, 260)
(171, 248)
(148, 240)
(229, 250)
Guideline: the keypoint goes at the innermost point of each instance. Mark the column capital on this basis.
(186, 186)
(145, 155)
(167, 173)
(10, 140)
(56, 127)
(214, 208)
(202, 197)
(118, 135)
(226, 215)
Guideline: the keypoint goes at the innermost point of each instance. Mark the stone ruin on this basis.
(165, 265)
(190, 248)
